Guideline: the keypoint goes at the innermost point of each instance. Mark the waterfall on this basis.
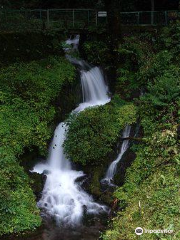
(93, 88)
(62, 197)
(113, 166)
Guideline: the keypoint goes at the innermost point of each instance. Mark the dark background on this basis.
(123, 5)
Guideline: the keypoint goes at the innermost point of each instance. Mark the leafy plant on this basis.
(97, 52)
(150, 195)
(28, 95)
(92, 133)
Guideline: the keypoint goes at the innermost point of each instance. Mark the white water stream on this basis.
(113, 166)
(62, 196)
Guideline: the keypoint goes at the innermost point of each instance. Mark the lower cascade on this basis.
(62, 197)
(113, 166)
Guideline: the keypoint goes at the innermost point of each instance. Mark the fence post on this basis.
(152, 18)
(138, 18)
(96, 18)
(73, 18)
(88, 17)
(48, 19)
(166, 18)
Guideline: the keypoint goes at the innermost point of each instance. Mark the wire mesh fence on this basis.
(39, 19)
(68, 18)
(21, 20)
(149, 18)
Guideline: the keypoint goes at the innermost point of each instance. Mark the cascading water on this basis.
(113, 166)
(93, 88)
(62, 196)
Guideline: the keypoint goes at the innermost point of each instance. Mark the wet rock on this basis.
(37, 182)
(46, 172)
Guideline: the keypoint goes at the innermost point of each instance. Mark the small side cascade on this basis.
(113, 166)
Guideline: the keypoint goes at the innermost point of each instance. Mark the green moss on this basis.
(94, 186)
(28, 95)
(92, 133)
(18, 211)
(158, 199)
(149, 198)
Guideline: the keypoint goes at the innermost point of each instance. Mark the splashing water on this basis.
(113, 166)
(62, 196)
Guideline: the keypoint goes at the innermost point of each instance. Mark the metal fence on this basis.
(20, 20)
(149, 18)
(71, 18)
(39, 19)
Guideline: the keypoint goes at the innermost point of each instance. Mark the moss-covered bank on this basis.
(29, 92)
(150, 198)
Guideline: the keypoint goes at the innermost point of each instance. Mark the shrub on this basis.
(28, 93)
(92, 133)
(150, 196)
(134, 55)
(165, 88)
(18, 211)
(97, 52)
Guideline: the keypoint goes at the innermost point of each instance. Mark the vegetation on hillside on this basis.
(93, 133)
(147, 89)
(28, 94)
(149, 197)
(28, 46)
(97, 52)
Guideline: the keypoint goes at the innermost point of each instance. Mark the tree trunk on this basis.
(113, 10)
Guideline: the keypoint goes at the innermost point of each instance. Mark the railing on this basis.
(39, 19)
(149, 18)
(20, 20)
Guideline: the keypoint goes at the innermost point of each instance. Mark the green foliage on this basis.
(37, 81)
(165, 88)
(92, 133)
(169, 39)
(126, 115)
(18, 211)
(149, 197)
(28, 91)
(100, 29)
(28, 46)
(24, 125)
(135, 56)
(28, 95)
(153, 69)
(97, 52)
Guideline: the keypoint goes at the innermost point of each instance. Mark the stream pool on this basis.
(90, 230)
